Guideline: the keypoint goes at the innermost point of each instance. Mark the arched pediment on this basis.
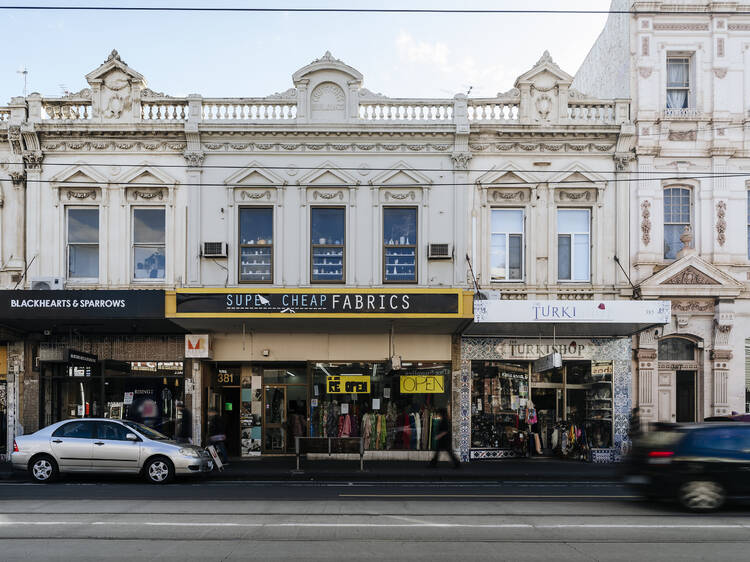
(327, 62)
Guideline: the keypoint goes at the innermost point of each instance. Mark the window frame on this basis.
(134, 245)
(522, 210)
(747, 193)
(687, 59)
(588, 233)
(314, 245)
(414, 246)
(241, 245)
(691, 216)
(68, 244)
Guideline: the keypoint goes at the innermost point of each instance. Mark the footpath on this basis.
(284, 469)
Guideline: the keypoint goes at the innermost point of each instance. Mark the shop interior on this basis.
(264, 406)
(564, 412)
(143, 391)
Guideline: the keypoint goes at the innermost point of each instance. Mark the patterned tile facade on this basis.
(617, 350)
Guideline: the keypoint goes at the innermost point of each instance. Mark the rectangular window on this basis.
(399, 245)
(573, 244)
(678, 82)
(327, 244)
(149, 243)
(83, 243)
(676, 219)
(506, 247)
(256, 245)
(748, 225)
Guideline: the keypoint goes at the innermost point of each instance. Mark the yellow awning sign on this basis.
(348, 384)
(422, 384)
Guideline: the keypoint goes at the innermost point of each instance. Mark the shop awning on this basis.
(548, 318)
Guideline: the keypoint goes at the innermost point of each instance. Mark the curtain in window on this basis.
(677, 75)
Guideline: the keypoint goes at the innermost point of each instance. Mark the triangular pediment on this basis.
(328, 173)
(578, 173)
(147, 174)
(545, 70)
(401, 174)
(78, 175)
(691, 275)
(507, 174)
(114, 62)
(254, 174)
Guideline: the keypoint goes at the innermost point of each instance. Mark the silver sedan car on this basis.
(106, 445)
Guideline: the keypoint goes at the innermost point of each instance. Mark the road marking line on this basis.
(390, 525)
(481, 496)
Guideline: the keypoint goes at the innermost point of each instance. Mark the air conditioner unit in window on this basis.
(214, 250)
(439, 252)
(47, 283)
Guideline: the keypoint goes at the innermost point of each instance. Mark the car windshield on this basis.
(145, 430)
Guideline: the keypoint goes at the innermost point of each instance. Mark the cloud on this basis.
(421, 51)
(436, 66)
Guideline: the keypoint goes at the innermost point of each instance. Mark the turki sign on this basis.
(322, 303)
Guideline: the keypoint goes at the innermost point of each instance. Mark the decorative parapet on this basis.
(329, 91)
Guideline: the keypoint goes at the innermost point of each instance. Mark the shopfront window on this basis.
(256, 245)
(394, 410)
(83, 243)
(500, 395)
(149, 243)
(564, 412)
(328, 244)
(400, 244)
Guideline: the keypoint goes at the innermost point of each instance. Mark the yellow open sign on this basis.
(348, 384)
(422, 384)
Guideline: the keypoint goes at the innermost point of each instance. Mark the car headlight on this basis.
(189, 452)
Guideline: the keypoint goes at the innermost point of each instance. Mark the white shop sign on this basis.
(594, 311)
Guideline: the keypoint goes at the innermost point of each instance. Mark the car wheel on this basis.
(43, 469)
(159, 471)
(702, 495)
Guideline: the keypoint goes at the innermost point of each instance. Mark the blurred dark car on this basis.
(699, 465)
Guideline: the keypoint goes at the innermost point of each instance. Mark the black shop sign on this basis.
(312, 303)
(43, 305)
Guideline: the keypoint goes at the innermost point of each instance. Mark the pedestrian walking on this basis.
(184, 432)
(217, 434)
(444, 441)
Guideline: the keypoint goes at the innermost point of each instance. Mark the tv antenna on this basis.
(25, 73)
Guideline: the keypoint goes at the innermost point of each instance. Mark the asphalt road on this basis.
(115, 519)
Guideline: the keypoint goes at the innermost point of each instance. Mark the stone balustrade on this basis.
(248, 109)
(395, 109)
(58, 109)
(493, 110)
(592, 111)
(4, 114)
(168, 109)
(501, 110)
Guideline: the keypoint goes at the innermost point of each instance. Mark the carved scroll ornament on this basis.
(646, 222)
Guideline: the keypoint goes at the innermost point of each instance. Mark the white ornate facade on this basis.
(689, 72)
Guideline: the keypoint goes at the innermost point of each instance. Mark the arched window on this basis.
(676, 349)
(677, 216)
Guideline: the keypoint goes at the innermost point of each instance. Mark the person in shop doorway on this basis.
(444, 440)
(184, 424)
(217, 435)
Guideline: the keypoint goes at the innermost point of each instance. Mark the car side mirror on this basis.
(131, 437)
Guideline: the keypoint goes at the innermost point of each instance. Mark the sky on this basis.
(255, 54)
